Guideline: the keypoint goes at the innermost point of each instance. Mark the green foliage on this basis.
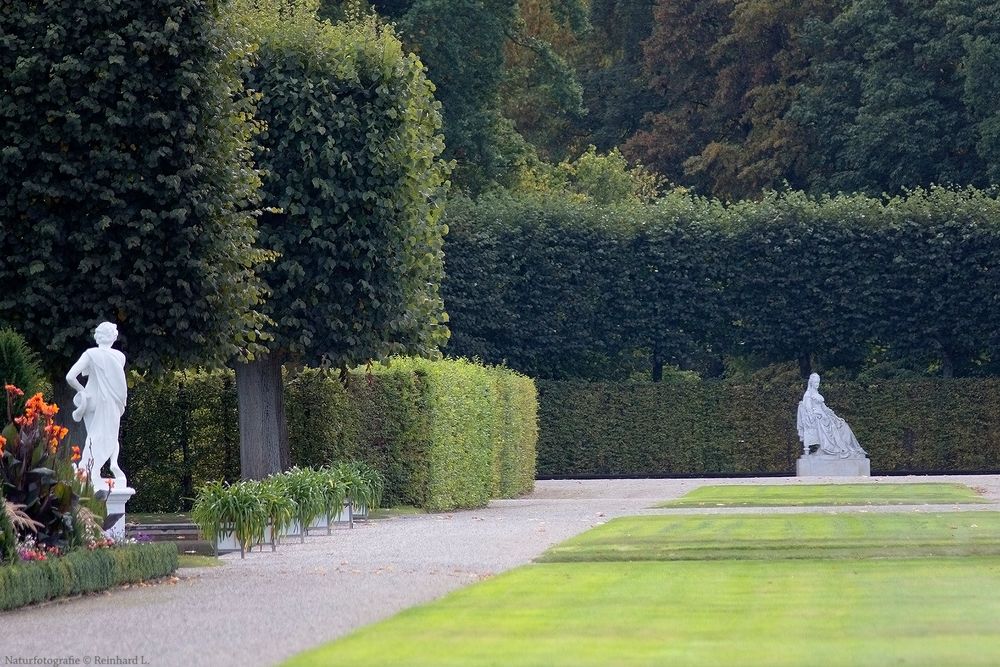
(609, 62)
(179, 432)
(19, 366)
(601, 179)
(514, 467)
(490, 63)
(352, 188)
(308, 490)
(432, 434)
(222, 509)
(8, 534)
(600, 429)
(127, 179)
(559, 288)
(84, 572)
(890, 99)
(536, 282)
(36, 473)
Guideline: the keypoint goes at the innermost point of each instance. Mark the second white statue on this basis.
(821, 430)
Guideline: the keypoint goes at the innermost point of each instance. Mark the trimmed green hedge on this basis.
(700, 428)
(445, 434)
(561, 289)
(84, 572)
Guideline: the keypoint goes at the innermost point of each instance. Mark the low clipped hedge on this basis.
(444, 434)
(715, 428)
(84, 572)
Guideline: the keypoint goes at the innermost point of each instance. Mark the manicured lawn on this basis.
(784, 536)
(194, 560)
(826, 494)
(929, 612)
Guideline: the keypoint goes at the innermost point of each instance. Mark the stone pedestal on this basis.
(114, 525)
(814, 465)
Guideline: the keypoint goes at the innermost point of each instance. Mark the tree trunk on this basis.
(184, 438)
(805, 365)
(263, 429)
(63, 395)
(947, 365)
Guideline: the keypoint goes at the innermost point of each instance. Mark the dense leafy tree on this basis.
(727, 73)
(352, 188)
(127, 188)
(610, 66)
(894, 96)
(469, 48)
(681, 71)
(541, 94)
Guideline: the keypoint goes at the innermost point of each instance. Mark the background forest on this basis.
(726, 97)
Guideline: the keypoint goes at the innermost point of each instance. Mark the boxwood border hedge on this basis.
(84, 572)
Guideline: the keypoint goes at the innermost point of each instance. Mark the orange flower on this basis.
(111, 484)
(12, 390)
(76, 454)
(3, 443)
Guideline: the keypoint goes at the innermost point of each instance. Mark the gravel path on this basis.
(273, 605)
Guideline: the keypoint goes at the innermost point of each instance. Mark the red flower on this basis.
(12, 390)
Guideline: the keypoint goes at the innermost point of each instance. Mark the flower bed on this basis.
(84, 571)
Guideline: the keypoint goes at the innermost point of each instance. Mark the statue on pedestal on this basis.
(101, 403)
(821, 431)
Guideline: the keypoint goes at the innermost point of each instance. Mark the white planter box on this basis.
(346, 514)
(226, 544)
(293, 529)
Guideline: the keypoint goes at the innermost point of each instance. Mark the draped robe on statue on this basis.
(101, 405)
(819, 425)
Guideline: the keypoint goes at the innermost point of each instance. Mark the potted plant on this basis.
(334, 494)
(364, 487)
(303, 486)
(231, 510)
(279, 507)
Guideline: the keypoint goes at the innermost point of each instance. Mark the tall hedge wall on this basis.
(562, 289)
(446, 434)
(695, 428)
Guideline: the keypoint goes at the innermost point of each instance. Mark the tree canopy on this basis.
(127, 186)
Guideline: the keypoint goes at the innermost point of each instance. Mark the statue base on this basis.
(114, 524)
(822, 466)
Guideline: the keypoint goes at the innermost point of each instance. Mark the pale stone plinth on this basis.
(114, 526)
(821, 466)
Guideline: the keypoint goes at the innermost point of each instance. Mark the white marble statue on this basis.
(101, 403)
(818, 425)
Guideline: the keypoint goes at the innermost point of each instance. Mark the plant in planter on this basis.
(374, 487)
(278, 505)
(235, 509)
(364, 487)
(305, 487)
(334, 494)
